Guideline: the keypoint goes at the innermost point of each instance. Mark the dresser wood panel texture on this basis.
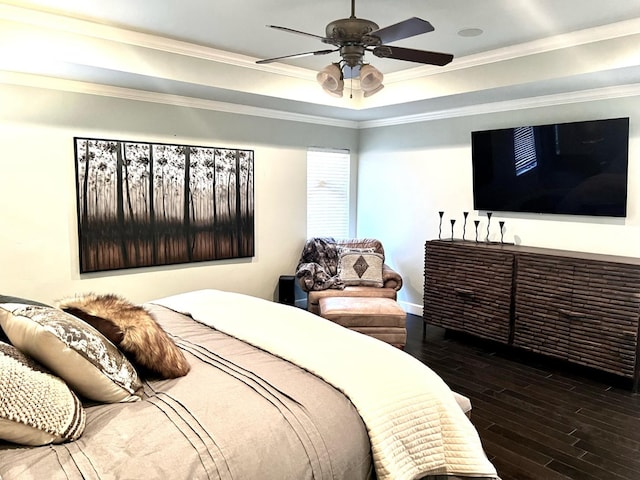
(468, 289)
(579, 307)
(581, 310)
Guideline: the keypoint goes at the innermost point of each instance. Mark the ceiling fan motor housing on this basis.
(352, 36)
(351, 30)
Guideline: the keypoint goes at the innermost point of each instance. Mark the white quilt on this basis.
(415, 426)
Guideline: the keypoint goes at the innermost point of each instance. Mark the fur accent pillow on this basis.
(132, 329)
(37, 408)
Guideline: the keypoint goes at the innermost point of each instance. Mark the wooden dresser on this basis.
(580, 307)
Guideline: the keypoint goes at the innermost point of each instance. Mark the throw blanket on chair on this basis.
(318, 265)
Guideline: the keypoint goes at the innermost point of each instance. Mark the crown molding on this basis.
(557, 42)
(74, 86)
(120, 35)
(604, 93)
(129, 37)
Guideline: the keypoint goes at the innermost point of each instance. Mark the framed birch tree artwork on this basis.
(145, 204)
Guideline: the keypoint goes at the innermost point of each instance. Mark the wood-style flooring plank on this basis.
(537, 418)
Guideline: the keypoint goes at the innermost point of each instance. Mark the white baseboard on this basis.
(412, 308)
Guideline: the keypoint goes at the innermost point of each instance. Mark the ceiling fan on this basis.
(352, 37)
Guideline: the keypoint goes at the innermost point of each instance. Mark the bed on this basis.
(272, 392)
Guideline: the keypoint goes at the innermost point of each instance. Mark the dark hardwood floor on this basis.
(538, 419)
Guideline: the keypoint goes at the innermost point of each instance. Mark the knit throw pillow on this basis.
(37, 408)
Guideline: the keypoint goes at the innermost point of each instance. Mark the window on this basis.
(524, 145)
(328, 193)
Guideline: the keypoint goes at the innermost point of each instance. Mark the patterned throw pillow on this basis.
(11, 299)
(90, 364)
(132, 329)
(361, 268)
(37, 408)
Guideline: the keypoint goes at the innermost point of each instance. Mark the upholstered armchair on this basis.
(334, 268)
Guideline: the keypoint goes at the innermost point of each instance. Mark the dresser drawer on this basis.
(468, 289)
(543, 289)
(604, 316)
(580, 310)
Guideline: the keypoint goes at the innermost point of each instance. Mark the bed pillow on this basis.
(37, 408)
(25, 301)
(361, 268)
(132, 329)
(73, 350)
(10, 299)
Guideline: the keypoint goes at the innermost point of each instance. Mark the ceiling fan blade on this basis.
(411, 55)
(405, 29)
(296, 55)
(297, 32)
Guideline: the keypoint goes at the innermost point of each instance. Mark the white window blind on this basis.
(328, 193)
(524, 144)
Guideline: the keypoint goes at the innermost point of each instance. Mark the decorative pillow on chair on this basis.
(75, 351)
(361, 268)
(132, 329)
(37, 408)
(343, 250)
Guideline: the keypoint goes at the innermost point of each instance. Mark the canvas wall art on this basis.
(147, 204)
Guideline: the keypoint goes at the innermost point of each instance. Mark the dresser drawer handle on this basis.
(464, 292)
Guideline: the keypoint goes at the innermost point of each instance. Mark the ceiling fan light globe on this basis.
(330, 79)
(335, 93)
(368, 93)
(370, 78)
(327, 82)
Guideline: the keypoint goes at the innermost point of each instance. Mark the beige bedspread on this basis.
(240, 414)
(414, 423)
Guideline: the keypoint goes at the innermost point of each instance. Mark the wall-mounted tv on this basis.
(577, 168)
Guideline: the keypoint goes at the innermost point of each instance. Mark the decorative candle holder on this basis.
(453, 221)
(488, 224)
(440, 226)
(476, 222)
(464, 226)
(501, 222)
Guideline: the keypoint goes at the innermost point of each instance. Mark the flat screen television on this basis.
(577, 168)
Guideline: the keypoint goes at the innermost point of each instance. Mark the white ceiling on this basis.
(512, 29)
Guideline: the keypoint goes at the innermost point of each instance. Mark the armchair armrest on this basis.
(391, 278)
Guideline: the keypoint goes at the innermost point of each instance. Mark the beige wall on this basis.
(38, 228)
(405, 174)
(426, 167)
